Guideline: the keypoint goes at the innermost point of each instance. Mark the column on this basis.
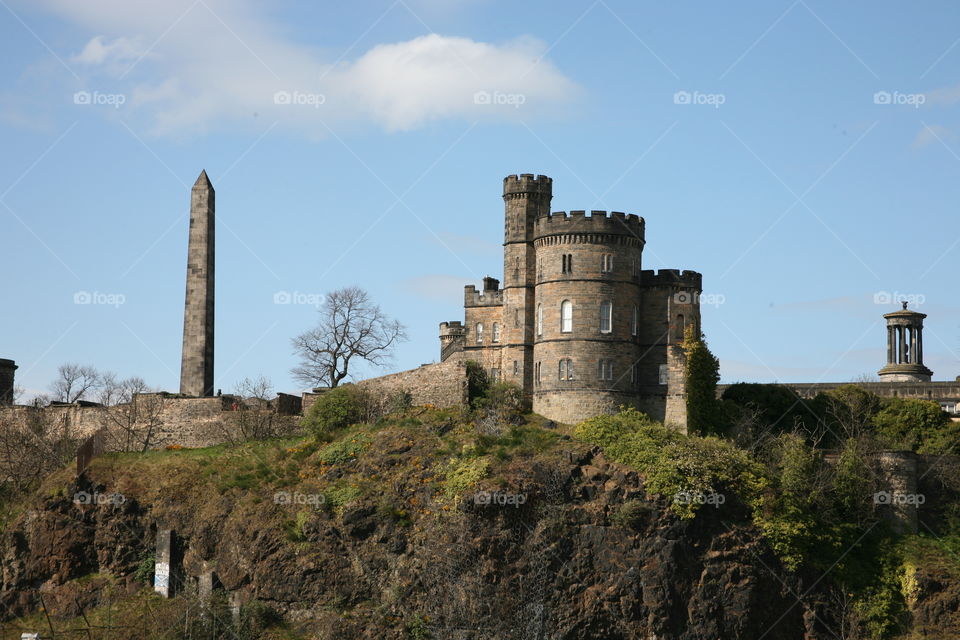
(164, 558)
(920, 345)
(913, 345)
(890, 345)
(903, 345)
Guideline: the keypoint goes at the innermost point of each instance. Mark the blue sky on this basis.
(348, 146)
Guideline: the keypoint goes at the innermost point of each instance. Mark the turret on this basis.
(905, 348)
(452, 337)
(7, 369)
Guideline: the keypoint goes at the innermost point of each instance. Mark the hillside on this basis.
(433, 523)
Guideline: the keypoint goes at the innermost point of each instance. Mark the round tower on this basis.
(587, 313)
(452, 338)
(7, 369)
(905, 348)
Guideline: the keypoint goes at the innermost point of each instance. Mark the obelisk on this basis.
(196, 370)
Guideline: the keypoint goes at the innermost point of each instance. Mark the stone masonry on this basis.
(578, 324)
(7, 370)
(196, 371)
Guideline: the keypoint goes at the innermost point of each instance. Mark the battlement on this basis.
(612, 223)
(452, 328)
(526, 183)
(671, 277)
(474, 298)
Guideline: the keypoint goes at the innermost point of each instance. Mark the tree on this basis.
(351, 328)
(702, 373)
(74, 381)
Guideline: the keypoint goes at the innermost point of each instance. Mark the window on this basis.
(664, 374)
(566, 316)
(606, 263)
(678, 327)
(536, 373)
(635, 324)
(605, 370)
(539, 319)
(567, 263)
(540, 269)
(566, 369)
(495, 375)
(516, 367)
(633, 374)
(496, 332)
(479, 333)
(606, 316)
(516, 318)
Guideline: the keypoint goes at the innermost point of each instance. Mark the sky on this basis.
(803, 156)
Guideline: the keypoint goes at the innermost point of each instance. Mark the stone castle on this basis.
(578, 324)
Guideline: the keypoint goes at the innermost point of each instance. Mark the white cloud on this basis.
(930, 134)
(99, 52)
(215, 64)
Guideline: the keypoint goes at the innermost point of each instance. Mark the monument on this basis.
(196, 370)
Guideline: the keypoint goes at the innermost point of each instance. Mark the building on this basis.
(578, 324)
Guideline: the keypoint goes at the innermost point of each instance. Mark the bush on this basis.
(631, 514)
(918, 425)
(674, 465)
(335, 410)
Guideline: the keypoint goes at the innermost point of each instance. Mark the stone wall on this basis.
(443, 384)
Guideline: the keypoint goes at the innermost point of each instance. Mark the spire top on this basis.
(203, 180)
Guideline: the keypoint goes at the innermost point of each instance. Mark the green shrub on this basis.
(345, 449)
(335, 410)
(145, 567)
(630, 515)
(701, 375)
(918, 425)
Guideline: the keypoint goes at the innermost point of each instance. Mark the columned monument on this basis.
(905, 348)
(196, 370)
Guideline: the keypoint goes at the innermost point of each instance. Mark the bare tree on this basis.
(74, 381)
(351, 328)
(33, 443)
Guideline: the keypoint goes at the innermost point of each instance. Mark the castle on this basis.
(578, 324)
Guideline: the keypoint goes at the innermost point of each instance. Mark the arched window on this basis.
(606, 316)
(635, 325)
(566, 316)
(605, 369)
(496, 332)
(606, 263)
(539, 319)
(479, 333)
(678, 328)
(566, 369)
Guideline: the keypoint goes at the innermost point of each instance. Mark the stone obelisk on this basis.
(196, 370)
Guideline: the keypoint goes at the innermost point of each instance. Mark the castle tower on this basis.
(452, 338)
(905, 348)
(525, 198)
(7, 369)
(196, 371)
(587, 313)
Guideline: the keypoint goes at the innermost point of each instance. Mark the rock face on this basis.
(572, 549)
